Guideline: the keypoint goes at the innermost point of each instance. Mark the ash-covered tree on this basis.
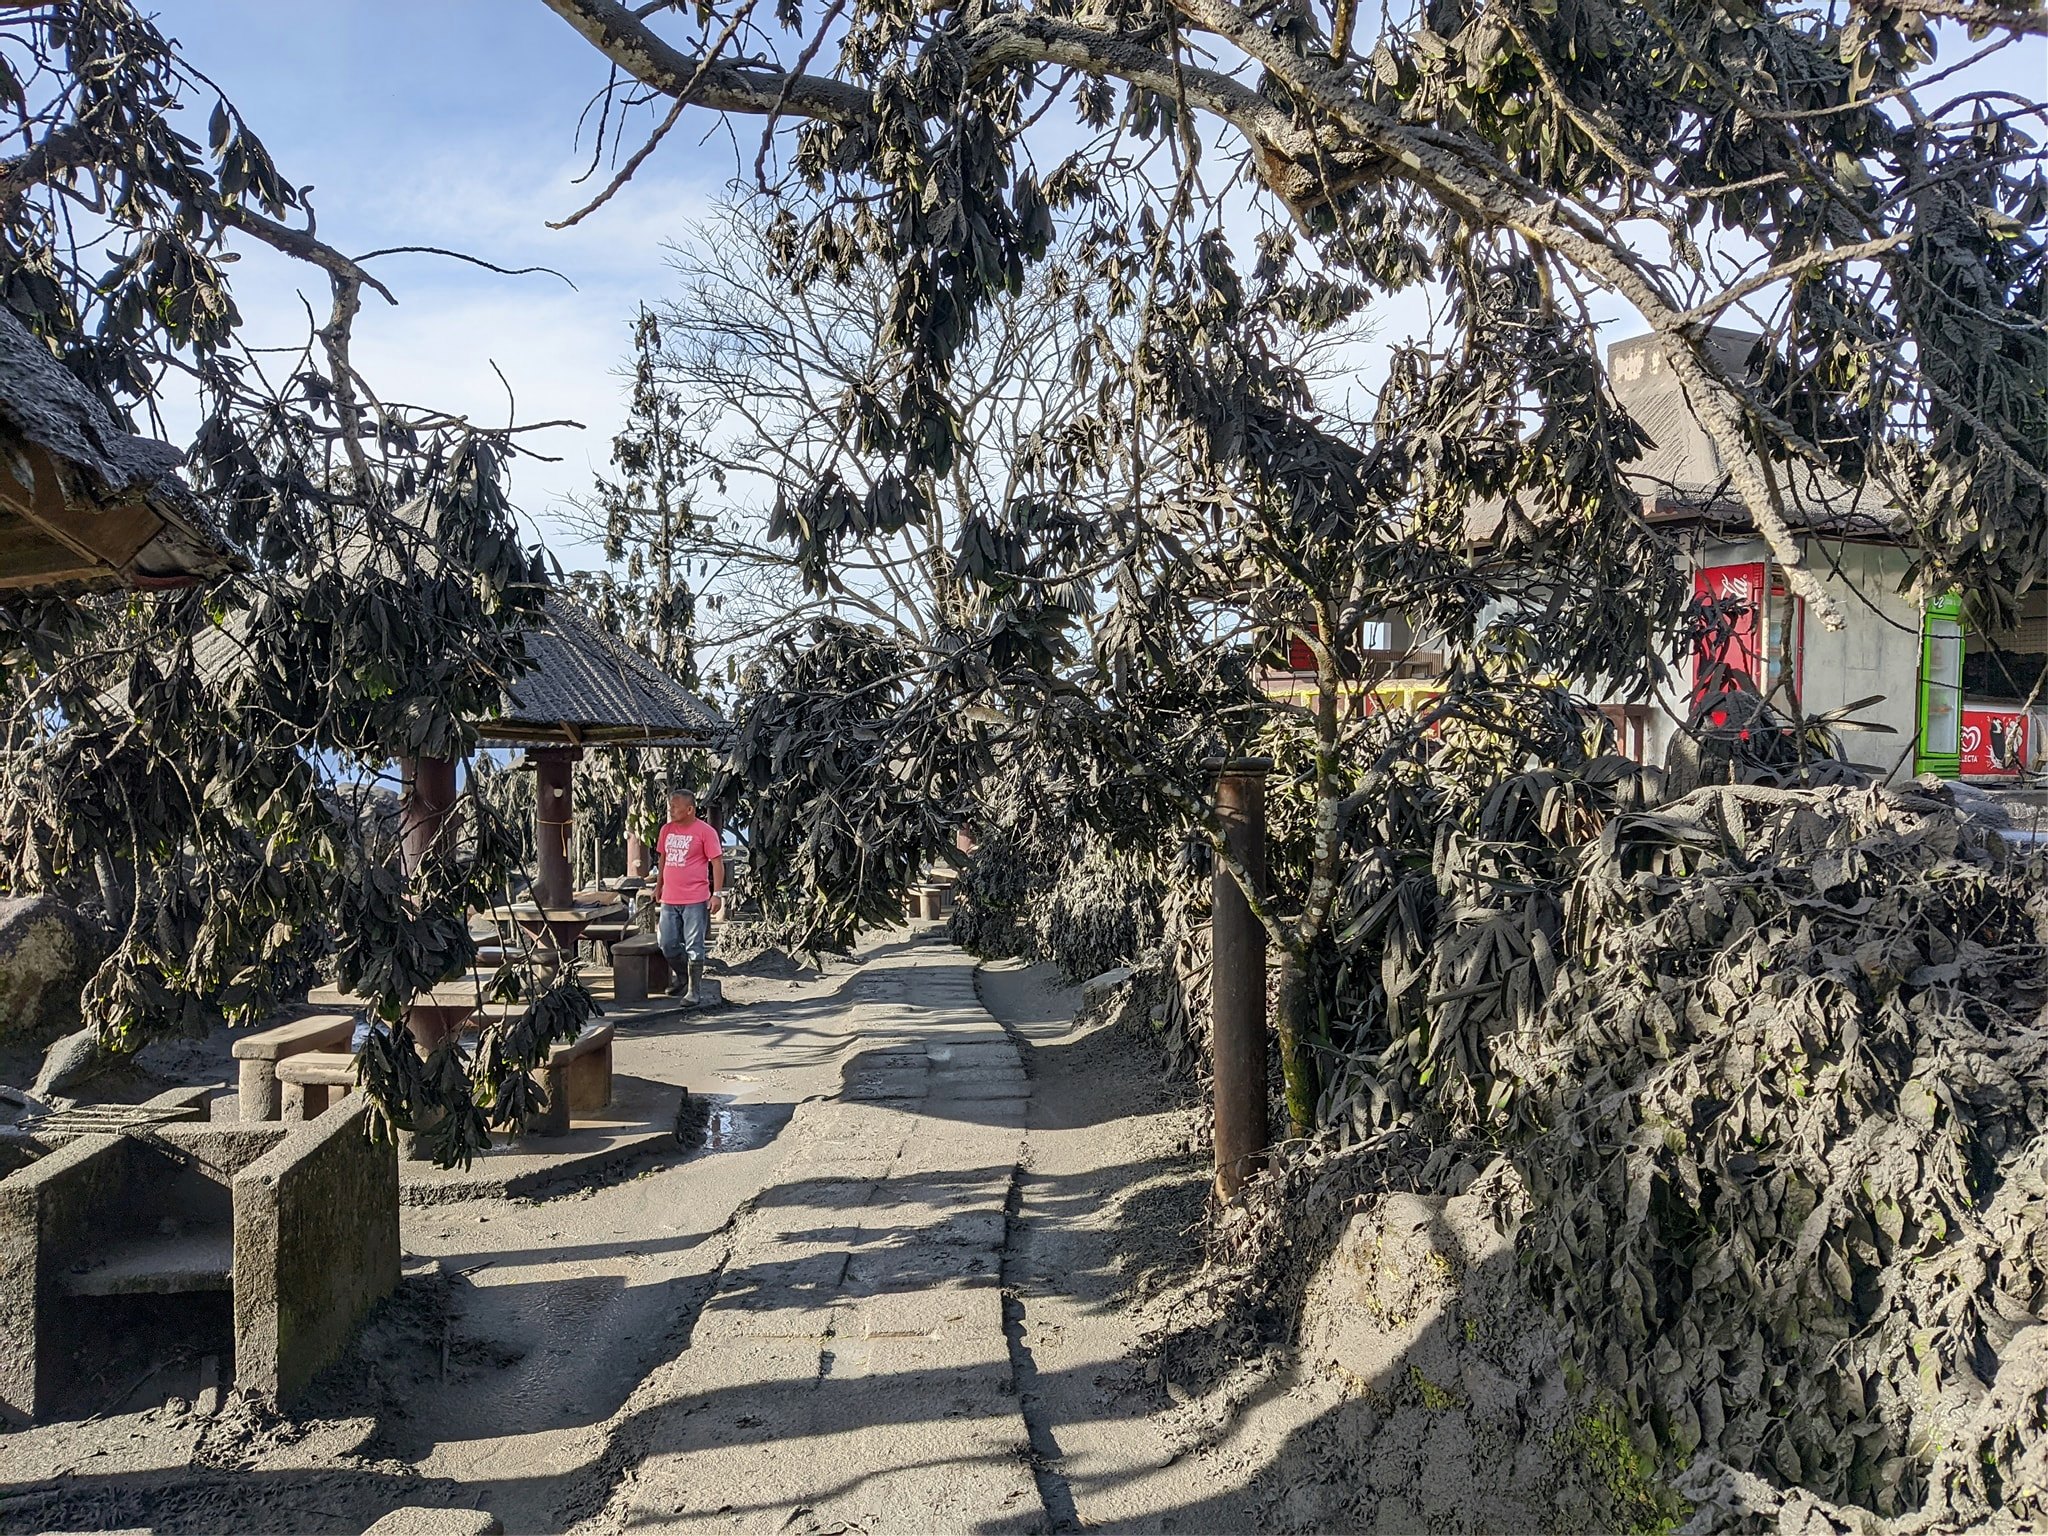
(1455, 887)
(759, 411)
(1528, 172)
(1683, 163)
(191, 759)
(769, 390)
(647, 520)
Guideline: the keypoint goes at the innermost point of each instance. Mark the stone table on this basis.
(433, 1016)
(563, 926)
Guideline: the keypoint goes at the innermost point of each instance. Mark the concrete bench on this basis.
(577, 1076)
(928, 901)
(263, 1244)
(639, 969)
(309, 1081)
(259, 1054)
(604, 937)
(179, 1263)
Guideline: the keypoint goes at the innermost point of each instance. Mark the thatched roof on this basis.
(1681, 476)
(587, 687)
(83, 503)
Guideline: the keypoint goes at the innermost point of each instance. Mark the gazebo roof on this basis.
(84, 504)
(587, 687)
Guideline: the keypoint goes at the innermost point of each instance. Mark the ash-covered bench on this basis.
(578, 1079)
(604, 938)
(263, 1244)
(311, 1081)
(257, 1056)
(639, 969)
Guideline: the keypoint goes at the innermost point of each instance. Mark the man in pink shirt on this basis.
(692, 875)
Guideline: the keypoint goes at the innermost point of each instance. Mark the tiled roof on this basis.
(584, 685)
(1681, 475)
(587, 686)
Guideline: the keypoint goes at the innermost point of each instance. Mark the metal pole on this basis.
(429, 792)
(553, 815)
(1237, 1035)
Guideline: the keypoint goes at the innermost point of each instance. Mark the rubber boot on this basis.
(696, 975)
(675, 977)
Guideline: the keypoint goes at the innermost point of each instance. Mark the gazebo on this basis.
(85, 505)
(586, 689)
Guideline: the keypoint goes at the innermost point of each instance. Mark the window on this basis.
(1373, 635)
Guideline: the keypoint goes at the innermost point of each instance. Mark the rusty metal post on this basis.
(553, 817)
(636, 855)
(1237, 940)
(429, 792)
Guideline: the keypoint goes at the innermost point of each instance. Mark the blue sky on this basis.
(453, 123)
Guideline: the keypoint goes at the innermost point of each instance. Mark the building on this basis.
(1928, 694)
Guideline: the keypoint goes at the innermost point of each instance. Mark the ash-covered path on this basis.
(850, 1369)
(905, 1289)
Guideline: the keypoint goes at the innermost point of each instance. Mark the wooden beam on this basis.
(29, 557)
(33, 486)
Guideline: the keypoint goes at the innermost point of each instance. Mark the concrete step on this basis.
(188, 1262)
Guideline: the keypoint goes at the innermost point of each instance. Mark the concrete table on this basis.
(563, 927)
(433, 1016)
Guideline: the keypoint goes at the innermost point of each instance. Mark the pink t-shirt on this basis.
(687, 850)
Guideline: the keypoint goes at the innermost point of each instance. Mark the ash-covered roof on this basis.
(586, 686)
(1681, 476)
(117, 511)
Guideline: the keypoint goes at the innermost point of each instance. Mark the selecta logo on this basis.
(1994, 742)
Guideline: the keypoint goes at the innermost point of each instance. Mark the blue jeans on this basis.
(685, 931)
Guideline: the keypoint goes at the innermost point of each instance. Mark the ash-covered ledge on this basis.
(263, 1244)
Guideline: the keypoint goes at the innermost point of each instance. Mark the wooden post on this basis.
(1237, 1037)
(553, 821)
(429, 792)
(636, 855)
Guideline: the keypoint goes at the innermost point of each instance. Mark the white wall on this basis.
(1877, 652)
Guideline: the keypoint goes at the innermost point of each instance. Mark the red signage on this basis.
(1994, 742)
(1742, 649)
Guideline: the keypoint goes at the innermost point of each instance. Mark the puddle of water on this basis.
(730, 1126)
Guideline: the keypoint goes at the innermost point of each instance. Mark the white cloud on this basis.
(561, 350)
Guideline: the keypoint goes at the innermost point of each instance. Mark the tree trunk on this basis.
(1297, 1063)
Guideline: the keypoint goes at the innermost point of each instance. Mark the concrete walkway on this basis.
(850, 1369)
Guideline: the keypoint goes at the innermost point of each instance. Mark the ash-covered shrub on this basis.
(1773, 1067)
(1792, 1080)
(1170, 991)
(990, 915)
(1100, 911)
(1040, 896)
